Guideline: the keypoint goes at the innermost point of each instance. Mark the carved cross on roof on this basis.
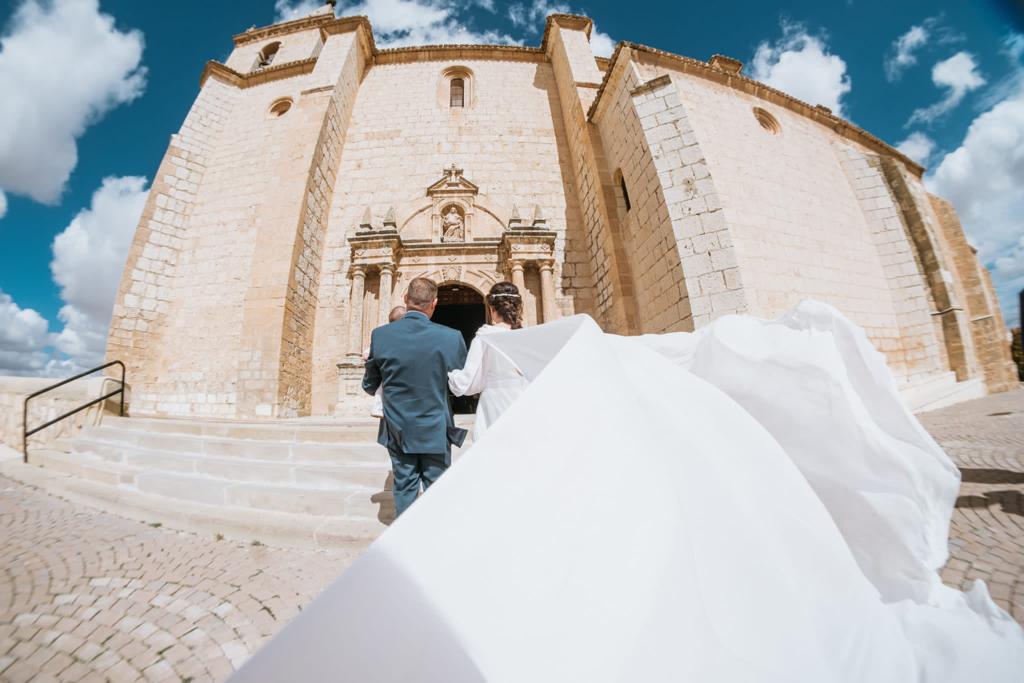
(452, 182)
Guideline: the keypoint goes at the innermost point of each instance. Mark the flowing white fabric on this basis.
(747, 503)
(490, 373)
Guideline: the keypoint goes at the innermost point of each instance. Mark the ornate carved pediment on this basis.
(453, 211)
(452, 184)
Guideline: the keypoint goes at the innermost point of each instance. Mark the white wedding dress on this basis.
(750, 502)
(490, 373)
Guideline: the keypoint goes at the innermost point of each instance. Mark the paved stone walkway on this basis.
(985, 438)
(88, 596)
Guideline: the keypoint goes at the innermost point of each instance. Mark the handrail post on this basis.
(26, 432)
(121, 413)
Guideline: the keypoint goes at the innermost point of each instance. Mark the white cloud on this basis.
(958, 75)
(531, 18)
(63, 66)
(397, 23)
(983, 179)
(904, 50)
(288, 10)
(602, 44)
(88, 257)
(1013, 47)
(23, 339)
(1013, 50)
(532, 15)
(801, 65)
(3, 204)
(918, 147)
(902, 53)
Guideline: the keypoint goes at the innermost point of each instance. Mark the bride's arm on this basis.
(470, 379)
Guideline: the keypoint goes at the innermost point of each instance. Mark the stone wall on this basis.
(916, 350)
(148, 289)
(236, 334)
(679, 243)
(934, 260)
(240, 295)
(13, 391)
(577, 77)
(509, 140)
(796, 226)
(987, 328)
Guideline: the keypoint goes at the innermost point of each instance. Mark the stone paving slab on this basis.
(89, 596)
(985, 438)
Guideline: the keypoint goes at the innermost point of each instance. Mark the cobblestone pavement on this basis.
(85, 595)
(985, 438)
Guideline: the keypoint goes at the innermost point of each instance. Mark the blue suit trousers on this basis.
(410, 470)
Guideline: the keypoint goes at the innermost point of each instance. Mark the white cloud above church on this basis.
(63, 66)
(399, 23)
(800, 64)
(88, 258)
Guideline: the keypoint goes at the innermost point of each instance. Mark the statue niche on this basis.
(453, 225)
(453, 211)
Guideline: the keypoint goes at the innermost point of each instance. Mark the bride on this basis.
(748, 502)
(492, 374)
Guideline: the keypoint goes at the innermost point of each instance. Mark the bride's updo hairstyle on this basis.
(505, 299)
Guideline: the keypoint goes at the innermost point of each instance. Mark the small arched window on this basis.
(266, 56)
(458, 93)
(625, 192)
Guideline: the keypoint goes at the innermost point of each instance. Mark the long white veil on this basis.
(747, 503)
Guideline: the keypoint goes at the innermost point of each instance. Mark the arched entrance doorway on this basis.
(462, 308)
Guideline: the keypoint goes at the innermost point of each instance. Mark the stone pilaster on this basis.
(355, 314)
(986, 321)
(387, 275)
(547, 291)
(578, 78)
(915, 350)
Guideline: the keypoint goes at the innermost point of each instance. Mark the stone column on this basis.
(387, 276)
(517, 277)
(355, 320)
(547, 291)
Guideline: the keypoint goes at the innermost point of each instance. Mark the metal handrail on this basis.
(25, 432)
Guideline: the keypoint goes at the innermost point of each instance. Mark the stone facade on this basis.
(316, 174)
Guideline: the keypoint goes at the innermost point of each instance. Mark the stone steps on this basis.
(939, 391)
(291, 431)
(211, 475)
(367, 467)
(345, 498)
(272, 528)
(103, 441)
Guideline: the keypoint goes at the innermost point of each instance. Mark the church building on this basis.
(317, 174)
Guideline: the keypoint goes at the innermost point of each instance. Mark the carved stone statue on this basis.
(453, 226)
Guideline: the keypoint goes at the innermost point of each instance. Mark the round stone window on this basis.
(767, 121)
(280, 107)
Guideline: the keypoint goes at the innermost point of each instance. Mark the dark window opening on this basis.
(625, 192)
(267, 54)
(458, 96)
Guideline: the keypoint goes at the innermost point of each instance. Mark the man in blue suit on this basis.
(411, 358)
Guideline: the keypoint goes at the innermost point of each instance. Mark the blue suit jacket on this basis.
(412, 357)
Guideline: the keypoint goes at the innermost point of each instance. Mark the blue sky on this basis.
(93, 90)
